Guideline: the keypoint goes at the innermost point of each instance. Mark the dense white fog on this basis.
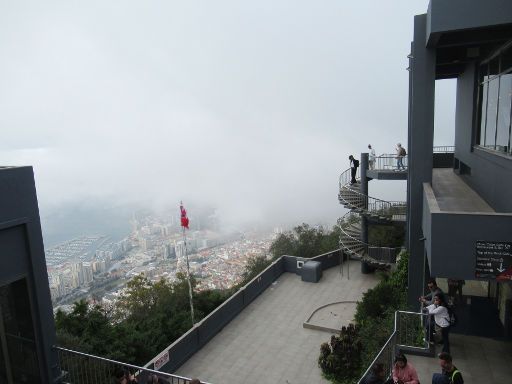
(248, 107)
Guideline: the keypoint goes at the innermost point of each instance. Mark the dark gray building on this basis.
(27, 331)
(460, 218)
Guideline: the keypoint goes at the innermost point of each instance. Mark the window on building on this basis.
(496, 101)
(18, 354)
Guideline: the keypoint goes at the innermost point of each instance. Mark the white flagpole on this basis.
(188, 279)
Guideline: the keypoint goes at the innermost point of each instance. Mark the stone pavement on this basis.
(267, 343)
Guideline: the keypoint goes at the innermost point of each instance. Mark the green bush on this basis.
(374, 320)
(342, 355)
(305, 241)
(386, 235)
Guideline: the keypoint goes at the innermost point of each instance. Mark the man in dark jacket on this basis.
(450, 374)
(433, 291)
(354, 164)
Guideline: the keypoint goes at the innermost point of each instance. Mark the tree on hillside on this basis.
(305, 241)
(145, 320)
(254, 266)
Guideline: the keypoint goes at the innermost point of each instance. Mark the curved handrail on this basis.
(359, 243)
(346, 177)
(373, 205)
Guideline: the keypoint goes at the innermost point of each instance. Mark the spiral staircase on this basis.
(375, 210)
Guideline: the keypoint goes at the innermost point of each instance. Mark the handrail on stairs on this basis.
(375, 253)
(357, 200)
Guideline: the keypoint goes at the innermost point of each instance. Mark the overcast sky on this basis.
(252, 107)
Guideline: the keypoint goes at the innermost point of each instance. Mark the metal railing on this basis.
(355, 199)
(384, 357)
(383, 254)
(349, 225)
(82, 368)
(411, 326)
(444, 149)
(409, 332)
(346, 177)
(388, 161)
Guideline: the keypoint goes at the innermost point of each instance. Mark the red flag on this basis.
(184, 218)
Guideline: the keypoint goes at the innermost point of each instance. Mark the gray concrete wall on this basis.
(454, 237)
(22, 256)
(455, 15)
(443, 160)
(491, 178)
(192, 341)
(450, 237)
(421, 140)
(290, 263)
(330, 259)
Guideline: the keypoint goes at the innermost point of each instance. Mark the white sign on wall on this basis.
(161, 360)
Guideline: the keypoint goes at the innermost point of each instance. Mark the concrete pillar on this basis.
(365, 268)
(364, 191)
(420, 144)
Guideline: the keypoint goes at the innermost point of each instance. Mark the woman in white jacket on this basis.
(442, 319)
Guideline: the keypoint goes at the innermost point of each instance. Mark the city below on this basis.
(96, 269)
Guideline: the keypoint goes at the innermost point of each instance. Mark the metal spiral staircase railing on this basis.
(351, 197)
(351, 243)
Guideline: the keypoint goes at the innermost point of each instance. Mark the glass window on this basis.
(504, 106)
(492, 107)
(495, 97)
(483, 113)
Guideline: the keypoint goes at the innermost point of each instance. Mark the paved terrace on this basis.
(266, 343)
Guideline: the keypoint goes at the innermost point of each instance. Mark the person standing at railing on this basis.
(434, 290)
(404, 372)
(400, 154)
(449, 372)
(371, 157)
(354, 164)
(427, 300)
(442, 319)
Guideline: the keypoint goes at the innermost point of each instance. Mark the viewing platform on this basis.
(267, 342)
(386, 168)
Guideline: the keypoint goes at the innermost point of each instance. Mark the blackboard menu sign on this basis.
(493, 260)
